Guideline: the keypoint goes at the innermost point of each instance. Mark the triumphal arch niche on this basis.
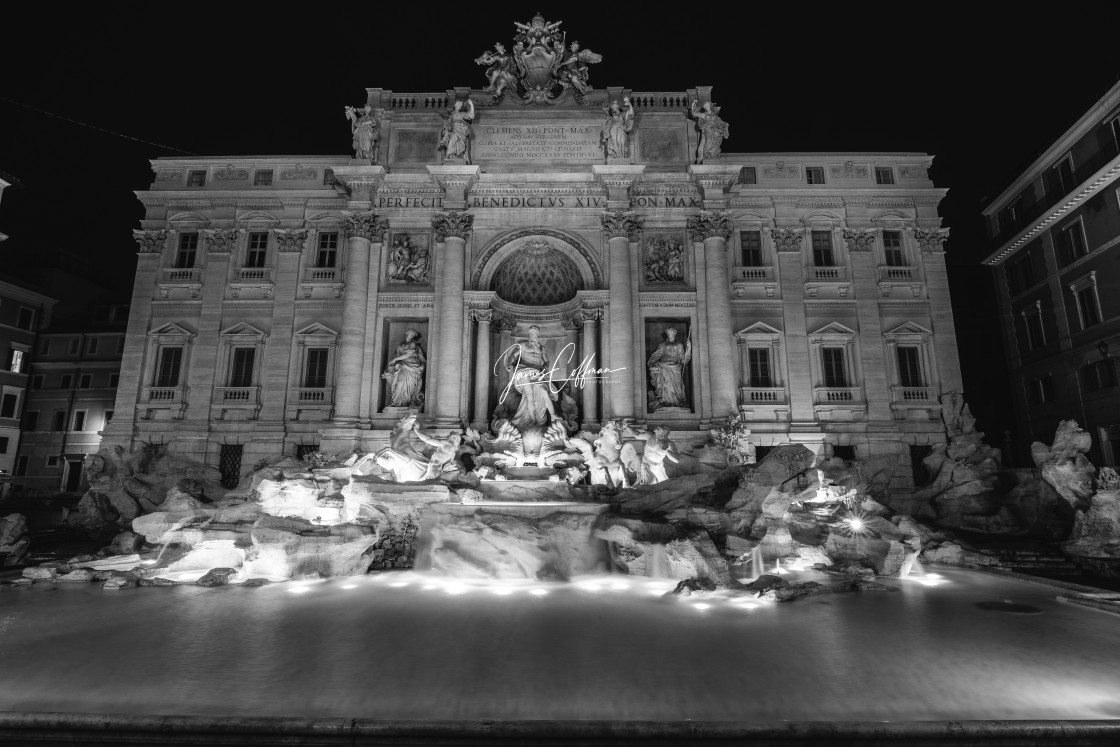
(536, 250)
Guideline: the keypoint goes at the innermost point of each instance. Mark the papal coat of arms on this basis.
(541, 61)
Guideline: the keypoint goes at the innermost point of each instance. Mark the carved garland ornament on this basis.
(786, 239)
(151, 242)
(930, 239)
(710, 224)
(220, 240)
(290, 240)
(859, 239)
(452, 224)
(621, 225)
(365, 226)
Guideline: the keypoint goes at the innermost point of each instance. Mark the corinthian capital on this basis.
(859, 239)
(290, 240)
(151, 242)
(366, 226)
(219, 240)
(710, 224)
(452, 224)
(786, 239)
(930, 239)
(621, 225)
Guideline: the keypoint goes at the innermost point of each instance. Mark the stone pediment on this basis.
(317, 330)
(908, 328)
(172, 330)
(245, 330)
(834, 329)
(758, 329)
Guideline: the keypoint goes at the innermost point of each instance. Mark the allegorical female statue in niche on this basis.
(365, 132)
(666, 371)
(619, 123)
(405, 373)
(457, 130)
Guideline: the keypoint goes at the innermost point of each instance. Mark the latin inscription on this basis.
(576, 142)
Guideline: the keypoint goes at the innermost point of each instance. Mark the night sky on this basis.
(234, 79)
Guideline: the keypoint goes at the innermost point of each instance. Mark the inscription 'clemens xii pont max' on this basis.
(569, 142)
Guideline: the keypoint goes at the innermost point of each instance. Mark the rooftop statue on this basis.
(712, 130)
(615, 135)
(455, 137)
(541, 61)
(365, 131)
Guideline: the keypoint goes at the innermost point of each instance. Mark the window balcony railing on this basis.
(182, 274)
(255, 274)
(893, 274)
(913, 394)
(163, 395)
(752, 274)
(237, 395)
(322, 275)
(838, 395)
(836, 274)
(315, 395)
(762, 395)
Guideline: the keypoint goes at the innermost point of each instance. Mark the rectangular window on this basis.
(66, 381)
(315, 377)
(814, 175)
(21, 465)
(30, 420)
(196, 179)
(884, 175)
(241, 373)
(1062, 175)
(892, 249)
(1087, 306)
(909, 366)
(85, 381)
(167, 372)
(37, 381)
(75, 345)
(748, 175)
(328, 248)
(8, 405)
(262, 178)
(52, 460)
(1042, 390)
(1036, 336)
(79, 420)
(834, 374)
(1099, 375)
(760, 367)
(114, 379)
(920, 472)
(44, 346)
(3, 444)
(120, 344)
(751, 242)
(847, 452)
(1071, 243)
(188, 250)
(258, 248)
(91, 346)
(108, 417)
(26, 318)
(1020, 273)
(58, 421)
(822, 249)
(328, 177)
(15, 360)
(302, 450)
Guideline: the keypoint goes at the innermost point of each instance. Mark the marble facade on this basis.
(287, 283)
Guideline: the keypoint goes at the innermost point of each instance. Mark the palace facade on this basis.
(274, 297)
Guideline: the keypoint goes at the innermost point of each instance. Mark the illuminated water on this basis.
(406, 646)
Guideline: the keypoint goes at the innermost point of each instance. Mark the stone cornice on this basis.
(360, 181)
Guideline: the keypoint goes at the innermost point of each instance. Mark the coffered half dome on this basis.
(537, 274)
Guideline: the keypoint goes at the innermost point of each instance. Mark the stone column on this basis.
(591, 388)
(482, 372)
(714, 229)
(621, 230)
(360, 230)
(451, 232)
(931, 243)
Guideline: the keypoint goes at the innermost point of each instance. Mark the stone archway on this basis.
(558, 245)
